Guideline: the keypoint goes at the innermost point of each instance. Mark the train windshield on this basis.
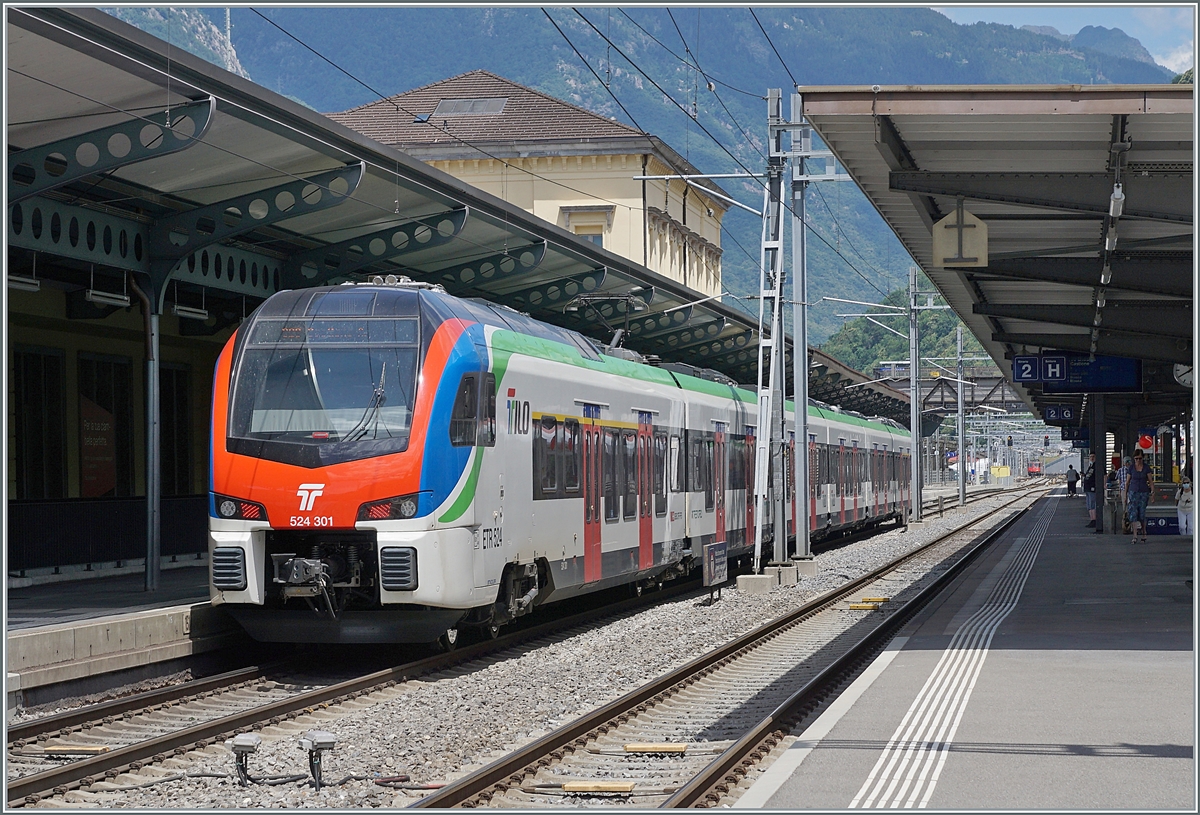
(344, 383)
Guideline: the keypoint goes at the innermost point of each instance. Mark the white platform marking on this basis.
(917, 751)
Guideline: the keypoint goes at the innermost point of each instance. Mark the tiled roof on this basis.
(528, 115)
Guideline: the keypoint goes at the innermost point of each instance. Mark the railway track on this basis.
(689, 737)
(55, 754)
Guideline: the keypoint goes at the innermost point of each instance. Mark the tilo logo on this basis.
(307, 494)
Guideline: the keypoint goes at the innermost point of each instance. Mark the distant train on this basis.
(1034, 469)
(394, 464)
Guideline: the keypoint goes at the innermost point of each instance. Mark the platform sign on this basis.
(1076, 434)
(716, 563)
(1081, 444)
(1059, 413)
(1054, 368)
(1027, 369)
(1100, 375)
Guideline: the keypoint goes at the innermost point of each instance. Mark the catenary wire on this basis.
(717, 141)
(795, 84)
(467, 143)
(430, 122)
(685, 62)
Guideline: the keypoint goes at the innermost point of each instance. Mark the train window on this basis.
(571, 456)
(545, 458)
(610, 464)
(465, 412)
(486, 437)
(737, 472)
(660, 474)
(630, 481)
(677, 464)
(695, 462)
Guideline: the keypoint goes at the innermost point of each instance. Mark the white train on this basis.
(391, 464)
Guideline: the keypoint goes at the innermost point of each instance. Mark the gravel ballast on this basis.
(441, 726)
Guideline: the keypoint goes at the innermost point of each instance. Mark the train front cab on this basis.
(325, 523)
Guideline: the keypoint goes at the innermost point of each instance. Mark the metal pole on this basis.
(914, 392)
(800, 342)
(962, 426)
(153, 460)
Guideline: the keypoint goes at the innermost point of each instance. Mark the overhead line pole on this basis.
(962, 425)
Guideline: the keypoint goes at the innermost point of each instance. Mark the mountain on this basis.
(1111, 41)
(651, 63)
(188, 29)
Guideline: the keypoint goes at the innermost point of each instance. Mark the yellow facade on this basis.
(669, 226)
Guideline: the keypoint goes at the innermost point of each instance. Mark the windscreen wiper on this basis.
(378, 398)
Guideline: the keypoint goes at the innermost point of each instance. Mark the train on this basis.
(1034, 469)
(393, 464)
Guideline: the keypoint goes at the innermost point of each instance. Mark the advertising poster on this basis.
(97, 450)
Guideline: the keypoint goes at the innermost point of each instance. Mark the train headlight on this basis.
(401, 507)
(239, 509)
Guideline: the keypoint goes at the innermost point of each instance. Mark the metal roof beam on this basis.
(1168, 318)
(1157, 195)
(39, 169)
(659, 324)
(1098, 246)
(108, 240)
(554, 294)
(1111, 343)
(1171, 274)
(687, 336)
(316, 267)
(184, 233)
(891, 146)
(502, 266)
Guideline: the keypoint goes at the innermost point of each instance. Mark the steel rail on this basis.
(728, 768)
(60, 779)
(511, 769)
(61, 723)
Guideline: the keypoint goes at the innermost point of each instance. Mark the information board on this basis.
(1100, 375)
(716, 563)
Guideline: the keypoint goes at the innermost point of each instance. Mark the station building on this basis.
(564, 164)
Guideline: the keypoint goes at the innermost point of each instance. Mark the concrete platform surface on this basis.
(52, 603)
(1057, 673)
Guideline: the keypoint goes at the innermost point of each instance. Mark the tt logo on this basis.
(307, 494)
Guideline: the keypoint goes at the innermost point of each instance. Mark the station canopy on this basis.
(248, 192)
(1038, 165)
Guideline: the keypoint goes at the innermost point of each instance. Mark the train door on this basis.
(645, 489)
(748, 468)
(592, 481)
(842, 481)
(875, 477)
(791, 476)
(855, 475)
(814, 478)
(718, 479)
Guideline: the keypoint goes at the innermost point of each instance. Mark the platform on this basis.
(1056, 673)
(66, 634)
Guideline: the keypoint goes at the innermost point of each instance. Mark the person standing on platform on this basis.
(1122, 480)
(1089, 489)
(1137, 494)
(1072, 480)
(1185, 506)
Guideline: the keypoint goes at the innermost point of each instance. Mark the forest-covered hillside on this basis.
(658, 63)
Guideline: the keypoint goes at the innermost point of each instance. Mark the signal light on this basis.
(401, 507)
(238, 509)
(1010, 441)
(1046, 442)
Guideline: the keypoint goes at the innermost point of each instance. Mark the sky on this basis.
(1167, 32)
